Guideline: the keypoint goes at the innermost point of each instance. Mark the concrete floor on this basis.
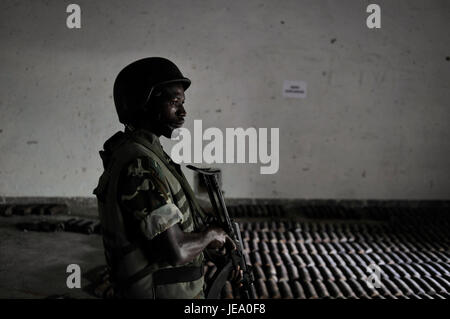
(33, 264)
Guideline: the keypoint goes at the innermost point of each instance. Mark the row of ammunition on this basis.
(337, 231)
(343, 289)
(84, 226)
(259, 211)
(372, 212)
(307, 260)
(34, 209)
(350, 243)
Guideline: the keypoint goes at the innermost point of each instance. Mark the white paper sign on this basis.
(294, 89)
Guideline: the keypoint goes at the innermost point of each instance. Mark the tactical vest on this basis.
(132, 272)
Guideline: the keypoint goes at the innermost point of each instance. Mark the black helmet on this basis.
(135, 83)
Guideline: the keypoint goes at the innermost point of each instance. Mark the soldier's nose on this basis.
(181, 111)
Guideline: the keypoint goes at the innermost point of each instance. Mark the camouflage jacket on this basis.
(151, 200)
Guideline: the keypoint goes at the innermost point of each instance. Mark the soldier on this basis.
(151, 221)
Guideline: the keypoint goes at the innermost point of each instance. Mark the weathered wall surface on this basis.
(374, 123)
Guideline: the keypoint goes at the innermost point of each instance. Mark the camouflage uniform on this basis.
(148, 200)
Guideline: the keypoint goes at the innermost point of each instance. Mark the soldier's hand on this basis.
(218, 238)
(236, 276)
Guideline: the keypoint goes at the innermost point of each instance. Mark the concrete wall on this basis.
(374, 124)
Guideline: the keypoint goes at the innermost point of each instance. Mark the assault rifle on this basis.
(223, 220)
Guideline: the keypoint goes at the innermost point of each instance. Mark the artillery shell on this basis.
(311, 249)
(358, 248)
(385, 292)
(297, 290)
(292, 272)
(434, 284)
(345, 289)
(318, 261)
(253, 244)
(282, 247)
(348, 248)
(310, 290)
(333, 289)
(298, 261)
(333, 237)
(301, 248)
(325, 237)
(290, 238)
(266, 259)
(270, 271)
(264, 226)
(358, 272)
(337, 273)
(443, 258)
(404, 257)
(272, 246)
(280, 236)
(262, 235)
(362, 260)
(259, 273)
(276, 259)
(431, 270)
(440, 267)
(287, 258)
(386, 258)
(254, 236)
(308, 260)
(423, 257)
(338, 248)
(425, 286)
(403, 286)
(246, 246)
(304, 274)
(357, 289)
(321, 289)
(329, 261)
(349, 260)
(255, 257)
(375, 246)
(261, 289)
(272, 287)
(272, 237)
(262, 245)
(400, 270)
(338, 259)
(315, 273)
(299, 236)
(444, 282)
(282, 273)
(330, 248)
(412, 284)
(390, 271)
(307, 237)
(317, 237)
(396, 258)
(326, 273)
(285, 290)
(392, 287)
(292, 248)
(321, 249)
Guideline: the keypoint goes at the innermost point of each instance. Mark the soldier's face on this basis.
(171, 109)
